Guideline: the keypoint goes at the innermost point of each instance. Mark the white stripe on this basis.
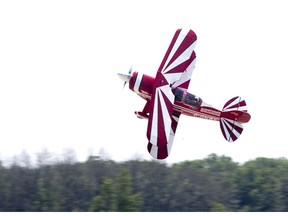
(166, 116)
(181, 58)
(154, 126)
(177, 43)
(186, 75)
(138, 82)
(175, 118)
(192, 112)
(234, 131)
(169, 145)
(154, 151)
(228, 107)
(227, 135)
(172, 77)
(172, 135)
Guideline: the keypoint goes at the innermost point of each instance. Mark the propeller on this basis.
(129, 73)
(126, 77)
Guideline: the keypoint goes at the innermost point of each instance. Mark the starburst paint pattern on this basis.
(236, 103)
(232, 129)
(163, 152)
(174, 71)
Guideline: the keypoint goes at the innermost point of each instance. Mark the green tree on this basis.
(187, 190)
(152, 181)
(43, 196)
(259, 185)
(218, 207)
(4, 188)
(222, 174)
(125, 199)
(106, 200)
(215, 183)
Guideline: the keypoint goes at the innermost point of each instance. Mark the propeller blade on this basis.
(124, 85)
(125, 77)
(130, 70)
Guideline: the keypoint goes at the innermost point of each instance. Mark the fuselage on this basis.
(185, 102)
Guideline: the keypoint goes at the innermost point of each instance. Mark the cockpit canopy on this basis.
(182, 96)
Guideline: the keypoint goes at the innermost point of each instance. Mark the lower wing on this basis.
(162, 151)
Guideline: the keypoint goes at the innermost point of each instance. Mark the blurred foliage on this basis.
(216, 184)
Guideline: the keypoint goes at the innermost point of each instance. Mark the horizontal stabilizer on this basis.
(233, 114)
(231, 129)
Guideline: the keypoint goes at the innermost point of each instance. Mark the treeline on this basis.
(215, 183)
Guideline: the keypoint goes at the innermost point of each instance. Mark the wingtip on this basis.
(159, 153)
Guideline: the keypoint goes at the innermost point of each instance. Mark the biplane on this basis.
(167, 98)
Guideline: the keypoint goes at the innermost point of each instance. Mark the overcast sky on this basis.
(59, 89)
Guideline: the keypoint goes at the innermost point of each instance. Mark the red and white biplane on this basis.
(167, 98)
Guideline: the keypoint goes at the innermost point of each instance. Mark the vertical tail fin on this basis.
(233, 114)
(236, 103)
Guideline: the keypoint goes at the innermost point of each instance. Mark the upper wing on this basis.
(175, 70)
(184, 80)
(179, 61)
